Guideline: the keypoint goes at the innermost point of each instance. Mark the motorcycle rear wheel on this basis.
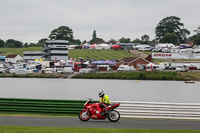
(113, 116)
(84, 115)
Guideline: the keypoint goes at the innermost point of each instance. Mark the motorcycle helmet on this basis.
(101, 93)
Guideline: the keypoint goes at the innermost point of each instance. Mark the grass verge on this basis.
(34, 75)
(18, 51)
(22, 114)
(137, 76)
(104, 54)
(21, 129)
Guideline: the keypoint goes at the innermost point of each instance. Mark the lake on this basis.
(118, 90)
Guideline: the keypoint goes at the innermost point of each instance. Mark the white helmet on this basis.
(101, 93)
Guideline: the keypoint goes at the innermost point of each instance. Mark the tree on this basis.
(17, 44)
(112, 41)
(96, 40)
(125, 40)
(41, 42)
(172, 24)
(196, 40)
(75, 42)
(10, 45)
(169, 38)
(85, 41)
(94, 34)
(32, 45)
(154, 41)
(197, 30)
(62, 33)
(137, 40)
(25, 45)
(2, 43)
(145, 39)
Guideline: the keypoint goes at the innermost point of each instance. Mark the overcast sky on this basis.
(32, 20)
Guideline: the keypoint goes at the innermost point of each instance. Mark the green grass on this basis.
(105, 54)
(21, 129)
(155, 75)
(18, 51)
(136, 76)
(34, 75)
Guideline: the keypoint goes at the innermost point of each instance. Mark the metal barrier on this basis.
(159, 110)
(40, 106)
(126, 108)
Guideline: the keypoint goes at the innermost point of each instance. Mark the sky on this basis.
(31, 20)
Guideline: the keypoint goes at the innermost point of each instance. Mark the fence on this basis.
(126, 108)
(159, 110)
(40, 106)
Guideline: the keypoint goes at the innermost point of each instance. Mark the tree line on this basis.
(168, 30)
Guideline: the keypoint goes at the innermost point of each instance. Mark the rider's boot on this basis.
(105, 111)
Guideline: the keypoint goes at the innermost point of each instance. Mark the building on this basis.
(56, 50)
(137, 62)
(53, 50)
(13, 58)
(32, 55)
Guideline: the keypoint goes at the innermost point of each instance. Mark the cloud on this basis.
(30, 21)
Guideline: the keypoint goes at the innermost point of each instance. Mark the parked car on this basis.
(21, 71)
(165, 50)
(174, 50)
(181, 68)
(93, 67)
(85, 70)
(157, 49)
(12, 71)
(116, 47)
(59, 70)
(172, 68)
(29, 71)
(1, 70)
(145, 48)
(47, 70)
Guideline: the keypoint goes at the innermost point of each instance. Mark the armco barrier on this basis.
(40, 106)
(159, 110)
(126, 108)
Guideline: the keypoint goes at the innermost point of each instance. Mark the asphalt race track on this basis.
(122, 123)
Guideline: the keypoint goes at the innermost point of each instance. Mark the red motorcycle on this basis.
(94, 111)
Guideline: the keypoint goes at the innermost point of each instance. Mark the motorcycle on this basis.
(94, 111)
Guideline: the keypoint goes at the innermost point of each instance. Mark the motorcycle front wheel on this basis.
(113, 116)
(84, 115)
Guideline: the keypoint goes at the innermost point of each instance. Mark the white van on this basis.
(181, 68)
(68, 70)
(85, 70)
(123, 68)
